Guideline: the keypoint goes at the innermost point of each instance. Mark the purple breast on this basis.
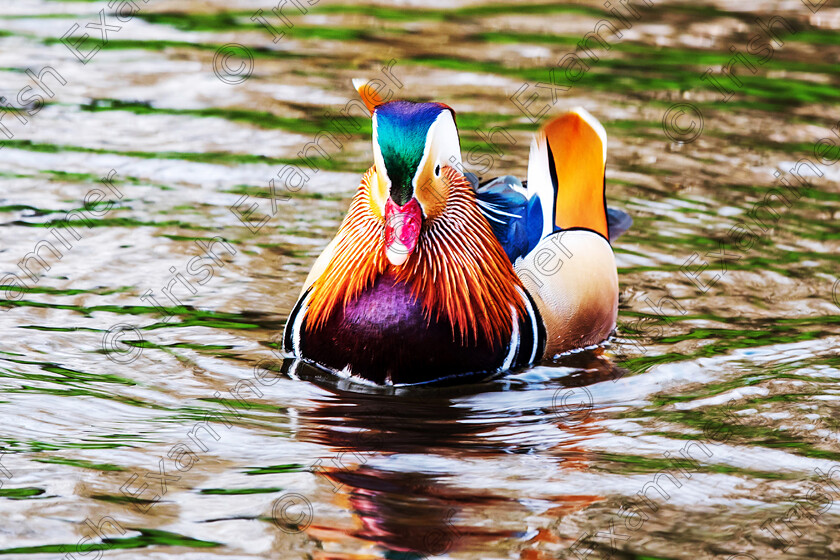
(384, 336)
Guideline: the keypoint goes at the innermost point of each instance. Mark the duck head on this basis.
(415, 223)
(413, 144)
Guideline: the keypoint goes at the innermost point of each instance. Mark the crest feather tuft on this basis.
(370, 97)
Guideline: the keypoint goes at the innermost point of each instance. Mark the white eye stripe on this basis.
(442, 143)
(378, 159)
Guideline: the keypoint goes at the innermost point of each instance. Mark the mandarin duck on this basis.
(433, 275)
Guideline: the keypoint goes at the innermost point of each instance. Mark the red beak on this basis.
(402, 230)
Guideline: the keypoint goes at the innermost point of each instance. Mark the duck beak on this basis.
(402, 230)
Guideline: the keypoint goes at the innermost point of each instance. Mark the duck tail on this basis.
(566, 171)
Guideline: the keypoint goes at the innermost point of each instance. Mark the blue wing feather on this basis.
(516, 220)
(618, 222)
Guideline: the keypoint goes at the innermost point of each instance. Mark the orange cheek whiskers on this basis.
(458, 269)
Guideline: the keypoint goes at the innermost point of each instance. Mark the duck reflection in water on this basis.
(395, 451)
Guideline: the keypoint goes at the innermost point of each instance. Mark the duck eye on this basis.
(437, 170)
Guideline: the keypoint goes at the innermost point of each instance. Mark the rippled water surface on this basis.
(142, 425)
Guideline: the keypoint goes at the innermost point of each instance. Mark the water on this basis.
(143, 446)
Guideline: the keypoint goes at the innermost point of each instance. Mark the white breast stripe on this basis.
(297, 326)
(533, 316)
(293, 370)
(514, 340)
